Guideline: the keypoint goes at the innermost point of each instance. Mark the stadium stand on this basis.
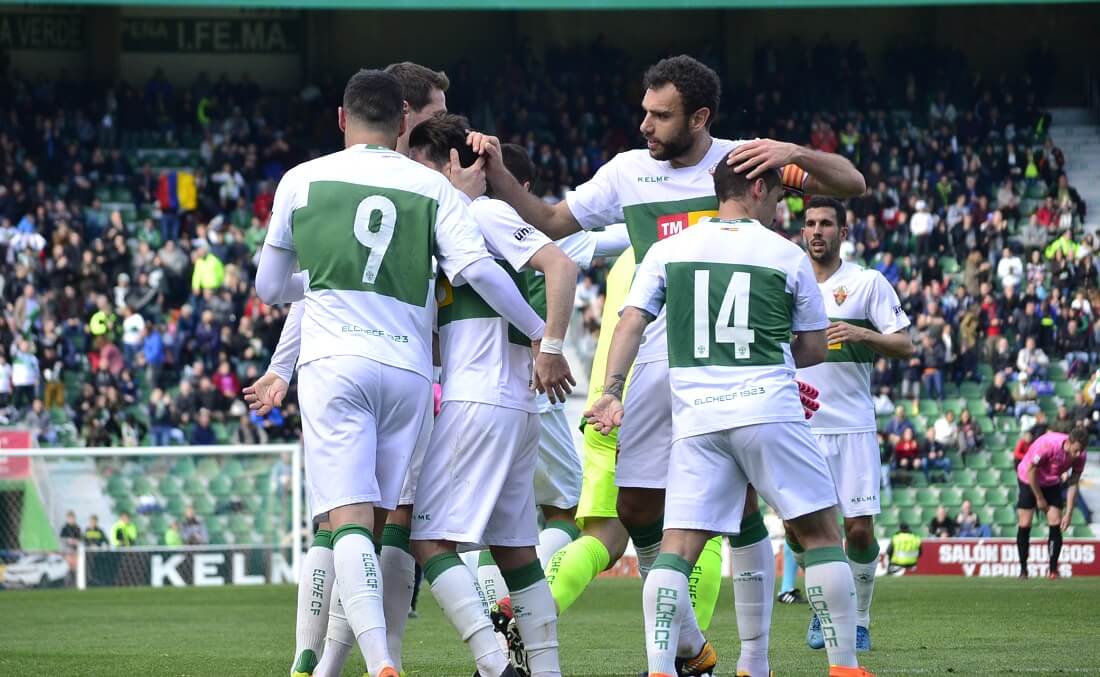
(130, 218)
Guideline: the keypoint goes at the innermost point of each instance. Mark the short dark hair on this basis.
(821, 202)
(440, 133)
(697, 83)
(374, 97)
(1079, 435)
(518, 162)
(417, 82)
(729, 185)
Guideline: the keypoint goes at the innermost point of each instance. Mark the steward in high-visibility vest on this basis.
(904, 549)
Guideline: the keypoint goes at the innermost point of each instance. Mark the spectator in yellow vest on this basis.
(904, 550)
(124, 532)
(209, 271)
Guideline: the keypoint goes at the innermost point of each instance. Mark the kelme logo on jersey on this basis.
(654, 179)
(671, 224)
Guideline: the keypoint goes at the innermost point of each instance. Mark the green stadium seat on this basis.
(979, 461)
(244, 537)
(965, 478)
(124, 504)
(949, 265)
(1009, 426)
(985, 424)
(1066, 390)
(914, 517)
(159, 522)
(175, 505)
(194, 486)
(117, 486)
(221, 433)
(1005, 516)
(928, 497)
(1078, 519)
(169, 486)
(990, 479)
(971, 391)
(1056, 372)
(976, 495)
(929, 408)
(954, 405)
(203, 504)
(215, 534)
(997, 440)
(253, 502)
(904, 498)
(888, 517)
(243, 485)
(987, 513)
(262, 522)
(1081, 532)
(1009, 477)
(183, 467)
(1003, 459)
(207, 467)
(142, 485)
(239, 522)
(232, 467)
(952, 497)
(221, 486)
(1000, 496)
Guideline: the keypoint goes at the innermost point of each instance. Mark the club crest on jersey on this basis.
(840, 295)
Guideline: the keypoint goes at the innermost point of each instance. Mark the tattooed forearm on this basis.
(615, 385)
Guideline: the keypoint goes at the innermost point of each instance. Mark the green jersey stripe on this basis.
(652, 221)
(463, 303)
(851, 352)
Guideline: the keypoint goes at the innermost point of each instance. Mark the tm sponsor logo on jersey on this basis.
(671, 224)
(730, 397)
(364, 331)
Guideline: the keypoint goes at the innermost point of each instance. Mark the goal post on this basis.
(197, 515)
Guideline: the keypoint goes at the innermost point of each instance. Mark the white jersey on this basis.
(862, 297)
(734, 291)
(485, 359)
(581, 247)
(365, 223)
(656, 201)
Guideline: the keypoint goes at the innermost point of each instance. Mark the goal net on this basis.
(194, 515)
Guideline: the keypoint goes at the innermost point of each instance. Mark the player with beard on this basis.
(866, 320)
(658, 192)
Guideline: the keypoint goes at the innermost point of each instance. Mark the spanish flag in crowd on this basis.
(176, 192)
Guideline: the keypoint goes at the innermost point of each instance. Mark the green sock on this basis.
(573, 567)
(705, 582)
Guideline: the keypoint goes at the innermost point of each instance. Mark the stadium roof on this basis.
(535, 4)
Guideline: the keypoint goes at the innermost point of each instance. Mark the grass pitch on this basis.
(921, 626)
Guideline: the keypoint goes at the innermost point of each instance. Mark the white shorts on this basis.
(645, 436)
(476, 486)
(558, 471)
(709, 475)
(853, 460)
(361, 420)
(408, 489)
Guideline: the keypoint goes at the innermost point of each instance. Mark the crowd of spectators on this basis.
(129, 310)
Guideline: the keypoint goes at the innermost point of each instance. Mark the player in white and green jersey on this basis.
(364, 224)
(476, 483)
(734, 292)
(866, 321)
(659, 192)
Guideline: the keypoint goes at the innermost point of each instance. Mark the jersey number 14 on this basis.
(735, 306)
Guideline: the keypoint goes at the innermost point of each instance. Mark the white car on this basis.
(36, 570)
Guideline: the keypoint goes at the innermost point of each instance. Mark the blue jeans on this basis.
(1026, 408)
(933, 384)
(936, 465)
(170, 226)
